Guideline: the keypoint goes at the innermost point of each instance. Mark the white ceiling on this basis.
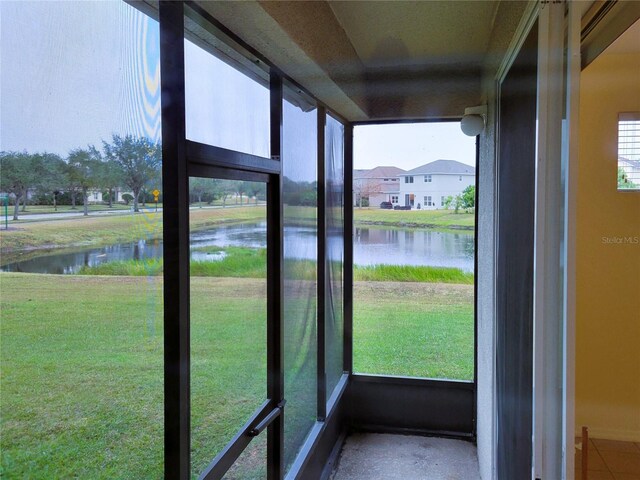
(379, 59)
(417, 33)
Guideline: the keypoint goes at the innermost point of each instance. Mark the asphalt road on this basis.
(97, 213)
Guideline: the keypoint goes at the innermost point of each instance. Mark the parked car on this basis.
(386, 205)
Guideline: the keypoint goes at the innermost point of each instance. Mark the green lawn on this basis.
(82, 372)
(90, 231)
(82, 378)
(414, 218)
(413, 329)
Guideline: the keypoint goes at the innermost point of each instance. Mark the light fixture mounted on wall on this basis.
(473, 121)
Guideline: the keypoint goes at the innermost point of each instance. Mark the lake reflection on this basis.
(371, 246)
(413, 247)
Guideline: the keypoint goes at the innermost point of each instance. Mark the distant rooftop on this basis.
(446, 167)
(378, 172)
(629, 162)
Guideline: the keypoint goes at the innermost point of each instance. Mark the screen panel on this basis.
(228, 287)
(414, 250)
(334, 211)
(82, 350)
(224, 105)
(300, 184)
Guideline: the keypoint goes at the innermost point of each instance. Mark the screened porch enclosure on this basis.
(216, 338)
(285, 380)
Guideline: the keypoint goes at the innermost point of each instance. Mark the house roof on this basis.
(629, 162)
(444, 167)
(360, 173)
(380, 172)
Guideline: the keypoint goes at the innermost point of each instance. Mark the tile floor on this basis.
(610, 460)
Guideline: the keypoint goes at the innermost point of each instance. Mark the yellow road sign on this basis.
(156, 193)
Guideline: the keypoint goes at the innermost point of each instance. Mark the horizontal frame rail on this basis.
(223, 157)
(207, 171)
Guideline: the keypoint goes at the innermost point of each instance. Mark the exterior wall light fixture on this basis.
(473, 121)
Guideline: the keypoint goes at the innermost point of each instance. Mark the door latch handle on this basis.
(266, 421)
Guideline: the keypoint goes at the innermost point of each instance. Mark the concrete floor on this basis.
(382, 456)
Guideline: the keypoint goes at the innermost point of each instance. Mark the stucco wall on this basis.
(440, 186)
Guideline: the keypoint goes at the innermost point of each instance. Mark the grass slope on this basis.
(82, 364)
(413, 329)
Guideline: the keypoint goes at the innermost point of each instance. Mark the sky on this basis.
(73, 73)
(93, 70)
(409, 146)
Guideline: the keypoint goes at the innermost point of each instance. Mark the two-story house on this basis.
(429, 185)
(380, 184)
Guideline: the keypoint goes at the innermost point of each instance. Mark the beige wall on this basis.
(608, 273)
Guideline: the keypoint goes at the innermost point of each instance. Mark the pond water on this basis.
(371, 246)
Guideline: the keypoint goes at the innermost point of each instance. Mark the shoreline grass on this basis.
(411, 273)
(251, 263)
(426, 219)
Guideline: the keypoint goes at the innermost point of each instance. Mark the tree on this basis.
(49, 170)
(16, 174)
(299, 192)
(364, 189)
(468, 198)
(71, 184)
(241, 189)
(203, 187)
(140, 161)
(623, 180)
(111, 177)
(85, 170)
(253, 189)
(21, 171)
(227, 188)
(453, 201)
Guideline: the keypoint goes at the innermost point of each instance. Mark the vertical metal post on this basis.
(347, 287)
(275, 288)
(475, 291)
(322, 266)
(548, 255)
(176, 244)
(570, 174)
